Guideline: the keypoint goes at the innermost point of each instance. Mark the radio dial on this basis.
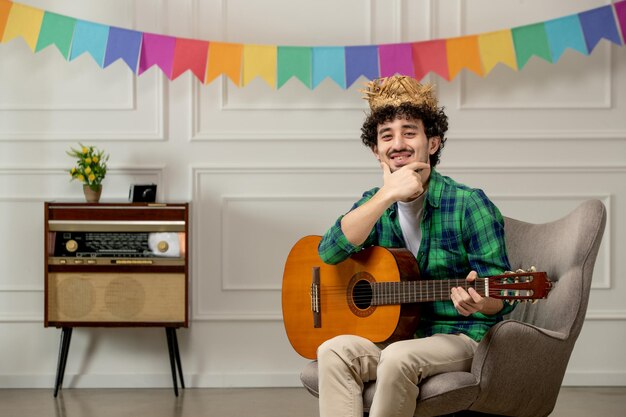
(163, 246)
(71, 245)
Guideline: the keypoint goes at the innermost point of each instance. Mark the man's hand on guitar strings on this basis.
(467, 301)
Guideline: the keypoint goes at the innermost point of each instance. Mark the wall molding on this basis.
(223, 200)
(157, 134)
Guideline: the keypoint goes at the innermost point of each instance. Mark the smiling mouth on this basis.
(401, 158)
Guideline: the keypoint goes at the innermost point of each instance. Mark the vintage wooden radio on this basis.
(116, 264)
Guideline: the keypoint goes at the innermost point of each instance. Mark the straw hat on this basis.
(399, 89)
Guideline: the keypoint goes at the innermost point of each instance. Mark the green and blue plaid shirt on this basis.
(462, 230)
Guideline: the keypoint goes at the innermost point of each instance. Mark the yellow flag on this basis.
(497, 47)
(224, 58)
(260, 61)
(24, 21)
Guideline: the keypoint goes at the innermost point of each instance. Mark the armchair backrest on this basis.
(566, 249)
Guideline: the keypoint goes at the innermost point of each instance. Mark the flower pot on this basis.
(92, 195)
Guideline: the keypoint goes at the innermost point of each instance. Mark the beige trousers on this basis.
(347, 362)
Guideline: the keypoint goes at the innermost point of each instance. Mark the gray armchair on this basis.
(519, 365)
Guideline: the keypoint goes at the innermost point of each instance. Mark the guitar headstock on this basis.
(524, 285)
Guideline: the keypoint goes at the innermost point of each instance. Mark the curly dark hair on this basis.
(435, 124)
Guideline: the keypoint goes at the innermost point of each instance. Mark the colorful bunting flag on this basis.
(361, 61)
(5, 9)
(396, 58)
(276, 65)
(597, 24)
(497, 47)
(294, 61)
(564, 33)
(260, 61)
(124, 44)
(430, 56)
(620, 12)
(530, 40)
(329, 62)
(56, 30)
(24, 21)
(92, 38)
(225, 58)
(157, 50)
(190, 54)
(462, 53)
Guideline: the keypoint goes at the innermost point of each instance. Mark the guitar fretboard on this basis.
(385, 293)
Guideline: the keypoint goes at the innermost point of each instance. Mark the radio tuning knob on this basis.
(163, 246)
(71, 245)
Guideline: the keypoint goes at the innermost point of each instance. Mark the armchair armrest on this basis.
(520, 367)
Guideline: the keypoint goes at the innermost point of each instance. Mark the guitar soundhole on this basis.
(360, 294)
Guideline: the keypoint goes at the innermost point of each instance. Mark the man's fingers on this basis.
(477, 298)
(415, 166)
(472, 276)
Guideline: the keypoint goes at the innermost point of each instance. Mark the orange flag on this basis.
(5, 8)
(224, 58)
(463, 52)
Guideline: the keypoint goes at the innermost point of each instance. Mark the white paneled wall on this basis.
(264, 167)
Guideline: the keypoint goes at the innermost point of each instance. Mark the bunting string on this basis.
(311, 65)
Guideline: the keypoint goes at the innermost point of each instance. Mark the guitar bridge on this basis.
(315, 298)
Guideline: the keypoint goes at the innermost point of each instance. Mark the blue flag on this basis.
(124, 44)
(92, 38)
(564, 33)
(361, 60)
(329, 62)
(597, 24)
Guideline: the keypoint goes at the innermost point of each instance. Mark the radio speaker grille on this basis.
(116, 298)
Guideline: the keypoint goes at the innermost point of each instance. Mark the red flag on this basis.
(430, 56)
(190, 54)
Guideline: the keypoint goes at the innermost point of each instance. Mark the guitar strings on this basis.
(408, 291)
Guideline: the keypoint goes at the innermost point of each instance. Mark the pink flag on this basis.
(395, 59)
(620, 11)
(159, 50)
(430, 56)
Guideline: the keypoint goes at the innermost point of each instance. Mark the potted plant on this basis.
(90, 170)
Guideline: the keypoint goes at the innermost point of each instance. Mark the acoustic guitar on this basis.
(374, 294)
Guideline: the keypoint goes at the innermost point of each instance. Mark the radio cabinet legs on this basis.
(172, 347)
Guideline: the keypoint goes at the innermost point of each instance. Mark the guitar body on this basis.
(342, 308)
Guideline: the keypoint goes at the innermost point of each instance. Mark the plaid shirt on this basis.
(462, 230)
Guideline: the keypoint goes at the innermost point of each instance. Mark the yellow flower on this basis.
(95, 159)
(92, 177)
(88, 161)
(81, 177)
(87, 170)
(85, 150)
(73, 171)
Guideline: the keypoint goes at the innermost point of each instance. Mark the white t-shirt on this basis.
(410, 216)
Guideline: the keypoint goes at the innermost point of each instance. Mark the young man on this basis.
(453, 230)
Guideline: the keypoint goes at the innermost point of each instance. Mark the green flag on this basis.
(294, 61)
(531, 40)
(57, 30)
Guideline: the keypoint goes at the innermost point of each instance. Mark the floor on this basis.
(222, 402)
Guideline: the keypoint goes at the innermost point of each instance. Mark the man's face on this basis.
(402, 141)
